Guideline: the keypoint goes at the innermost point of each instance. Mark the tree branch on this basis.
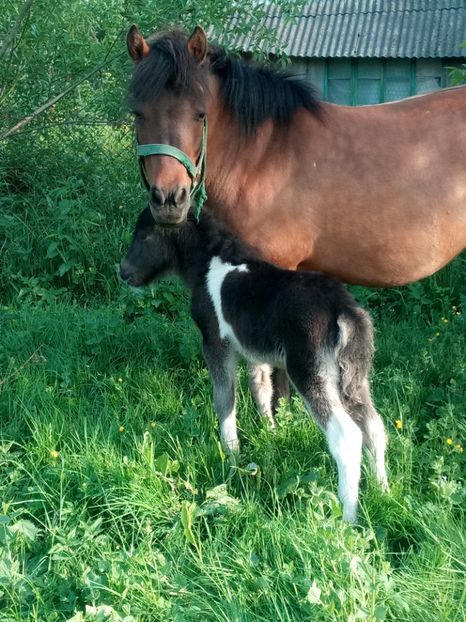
(56, 99)
(13, 32)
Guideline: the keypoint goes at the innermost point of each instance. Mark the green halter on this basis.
(197, 172)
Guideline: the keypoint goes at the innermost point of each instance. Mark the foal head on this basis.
(151, 254)
(169, 99)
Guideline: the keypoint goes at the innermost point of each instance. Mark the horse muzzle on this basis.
(169, 208)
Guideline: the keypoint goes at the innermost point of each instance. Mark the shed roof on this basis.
(369, 28)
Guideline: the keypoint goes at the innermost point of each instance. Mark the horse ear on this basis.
(197, 45)
(138, 47)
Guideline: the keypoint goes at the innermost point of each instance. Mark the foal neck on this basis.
(199, 241)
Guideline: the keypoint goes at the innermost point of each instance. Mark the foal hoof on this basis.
(231, 446)
(350, 514)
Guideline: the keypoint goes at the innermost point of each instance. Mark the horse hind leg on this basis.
(261, 385)
(322, 397)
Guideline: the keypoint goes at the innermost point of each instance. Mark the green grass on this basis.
(116, 492)
(118, 502)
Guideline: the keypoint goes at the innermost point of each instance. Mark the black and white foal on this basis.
(304, 322)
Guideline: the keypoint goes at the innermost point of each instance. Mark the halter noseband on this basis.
(197, 172)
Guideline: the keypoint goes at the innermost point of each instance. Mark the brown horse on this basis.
(374, 195)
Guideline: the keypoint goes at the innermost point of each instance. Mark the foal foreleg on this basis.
(260, 382)
(221, 361)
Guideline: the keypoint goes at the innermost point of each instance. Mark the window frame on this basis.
(354, 77)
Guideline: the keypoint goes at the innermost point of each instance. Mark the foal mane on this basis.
(218, 240)
(252, 93)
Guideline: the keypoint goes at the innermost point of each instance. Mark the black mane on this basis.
(168, 66)
(251, 93)
(254, 94)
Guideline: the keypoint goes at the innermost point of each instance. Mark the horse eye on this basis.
(200, 116)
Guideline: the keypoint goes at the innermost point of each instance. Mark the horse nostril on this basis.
(179, 196)
(156, 196)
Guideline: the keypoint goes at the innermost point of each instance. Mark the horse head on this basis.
(168, 93)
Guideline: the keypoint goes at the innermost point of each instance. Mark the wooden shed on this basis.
(370, 51)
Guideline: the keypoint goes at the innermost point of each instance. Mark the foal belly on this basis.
(249, 339)
(274, 359)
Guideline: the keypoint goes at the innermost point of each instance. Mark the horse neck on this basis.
(231, 155)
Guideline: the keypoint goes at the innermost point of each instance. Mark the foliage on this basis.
(458, 74)
(51, 46)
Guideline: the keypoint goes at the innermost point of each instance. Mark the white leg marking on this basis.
(228, 432)
(344, 440)
(345, 443)
(216, 274)
(260, 381)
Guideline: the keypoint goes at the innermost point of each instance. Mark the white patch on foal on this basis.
(216, 274)
(228, 431)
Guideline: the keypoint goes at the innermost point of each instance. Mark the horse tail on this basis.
(354, 352)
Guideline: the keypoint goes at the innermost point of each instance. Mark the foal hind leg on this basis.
(281, 387)
(260, 382)
(319, 387)
(373, 431)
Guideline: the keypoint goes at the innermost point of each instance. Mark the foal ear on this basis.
(197, 45)
(138, 47)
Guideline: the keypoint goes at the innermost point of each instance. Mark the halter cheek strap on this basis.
(197, 172)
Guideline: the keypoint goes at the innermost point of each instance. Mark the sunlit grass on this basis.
(108, 439)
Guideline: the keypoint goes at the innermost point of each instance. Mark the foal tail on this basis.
(354, 352)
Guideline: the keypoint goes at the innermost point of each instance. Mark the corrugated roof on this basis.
(369, 28)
